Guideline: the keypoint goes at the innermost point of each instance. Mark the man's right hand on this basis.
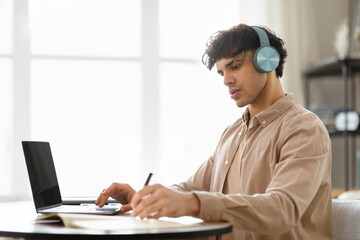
(122, 193)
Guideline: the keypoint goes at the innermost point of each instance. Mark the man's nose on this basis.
(228, 79)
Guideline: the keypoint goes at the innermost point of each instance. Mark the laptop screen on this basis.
(42, 175)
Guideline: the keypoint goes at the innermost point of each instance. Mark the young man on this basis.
(270, 173)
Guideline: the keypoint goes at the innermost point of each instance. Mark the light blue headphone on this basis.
(266, 58)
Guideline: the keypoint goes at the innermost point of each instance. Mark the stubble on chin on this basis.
(245, 103)
(240, 104)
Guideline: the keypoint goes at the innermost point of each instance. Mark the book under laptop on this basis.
(44, 183)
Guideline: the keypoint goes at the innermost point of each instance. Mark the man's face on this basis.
(245, 83)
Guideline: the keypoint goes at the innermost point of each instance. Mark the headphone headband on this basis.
(266, 58)
(264, 40)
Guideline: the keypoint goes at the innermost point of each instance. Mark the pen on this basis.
(148, 179)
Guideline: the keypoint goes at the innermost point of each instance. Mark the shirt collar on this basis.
(272, 112)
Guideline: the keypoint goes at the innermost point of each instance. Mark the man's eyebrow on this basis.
(238, 59)
(230, 63)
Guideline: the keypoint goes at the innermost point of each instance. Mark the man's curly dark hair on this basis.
(229, 43)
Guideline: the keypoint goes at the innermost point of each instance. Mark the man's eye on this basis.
(235, 67)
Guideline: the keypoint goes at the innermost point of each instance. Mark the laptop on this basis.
(44, 183)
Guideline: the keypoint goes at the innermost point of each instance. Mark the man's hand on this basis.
(157, 201)
(122, 193)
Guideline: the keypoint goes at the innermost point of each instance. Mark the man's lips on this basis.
(234, 93)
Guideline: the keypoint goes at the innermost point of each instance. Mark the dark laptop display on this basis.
(41, 170)
(44, 183)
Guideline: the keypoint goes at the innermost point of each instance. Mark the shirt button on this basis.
(226, 162)
(264, 122)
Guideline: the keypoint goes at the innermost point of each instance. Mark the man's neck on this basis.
(271, 93)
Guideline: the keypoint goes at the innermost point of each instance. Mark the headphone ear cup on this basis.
(266, 59)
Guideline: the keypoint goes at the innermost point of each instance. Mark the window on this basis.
(90, 113)
(93, 77)
(86, 89)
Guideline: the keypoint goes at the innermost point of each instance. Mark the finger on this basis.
(137, 198)
(146, 204)
(100, 197)
(126, 208)
(116, 190)
(104, 196)
(163, 210)
(109, 190)
(150, 210)
(160, 213)
(156, 215)
(103, 200)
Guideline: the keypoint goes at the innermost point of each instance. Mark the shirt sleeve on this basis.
(303, 167)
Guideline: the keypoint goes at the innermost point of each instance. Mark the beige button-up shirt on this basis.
(269, 176)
